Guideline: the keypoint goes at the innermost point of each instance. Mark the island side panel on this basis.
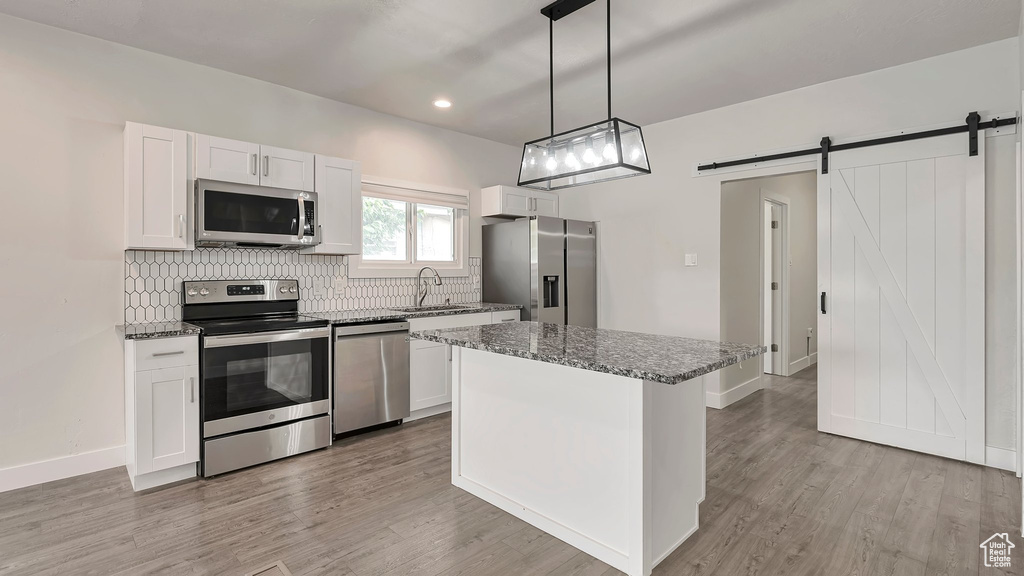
(557, 447)
(677, 446)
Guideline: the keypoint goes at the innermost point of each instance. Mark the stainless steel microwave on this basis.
(243, 215)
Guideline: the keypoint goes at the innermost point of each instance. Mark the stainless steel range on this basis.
(265, 372)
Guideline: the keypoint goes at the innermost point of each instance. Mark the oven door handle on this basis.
(266, 337)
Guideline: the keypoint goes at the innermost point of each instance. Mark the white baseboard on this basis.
(162, 477)
(1001, 458)
(60, 468)
(716, 400)
(798, 365)
(427, 412)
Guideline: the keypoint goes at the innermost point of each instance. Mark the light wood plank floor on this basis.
(781, 499)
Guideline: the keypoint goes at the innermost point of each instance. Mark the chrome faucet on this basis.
(423, 288)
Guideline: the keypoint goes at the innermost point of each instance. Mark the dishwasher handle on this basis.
(363, 329)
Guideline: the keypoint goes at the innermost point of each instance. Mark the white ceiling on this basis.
(490, 57)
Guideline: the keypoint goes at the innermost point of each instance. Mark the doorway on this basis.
(768, 278)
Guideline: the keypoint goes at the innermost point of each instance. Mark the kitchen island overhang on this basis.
(595, 436)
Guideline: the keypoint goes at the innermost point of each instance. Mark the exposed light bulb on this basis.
(609, 152)
(551, 164)
(571, 161)
(588, 155)
(635, 153)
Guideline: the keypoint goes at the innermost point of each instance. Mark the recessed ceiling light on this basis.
(443, 103)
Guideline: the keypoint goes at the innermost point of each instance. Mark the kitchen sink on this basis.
(434, 308)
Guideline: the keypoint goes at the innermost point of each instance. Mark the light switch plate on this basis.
(690, 260)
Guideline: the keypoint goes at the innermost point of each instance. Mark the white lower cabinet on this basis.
(505, 316)
(430, 382)
(161, 410)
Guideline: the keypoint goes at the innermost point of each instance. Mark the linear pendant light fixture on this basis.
(598, 152)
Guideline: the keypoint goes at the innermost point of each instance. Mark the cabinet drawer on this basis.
(505, 316)
(158, 353)
(455, 321)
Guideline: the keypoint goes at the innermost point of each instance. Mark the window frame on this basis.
(414, 193)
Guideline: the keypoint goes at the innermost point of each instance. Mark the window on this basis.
(385, 229)
(407, 226)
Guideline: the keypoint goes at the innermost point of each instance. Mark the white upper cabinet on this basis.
(283, 168)
(340, 206)
(512, 202)
(545, 204)
(247, 163)
(227, 160)
(157, 181)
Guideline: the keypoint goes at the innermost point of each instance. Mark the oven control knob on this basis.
(193, 292)
(284, 289)
(204, 292)
(293, 289)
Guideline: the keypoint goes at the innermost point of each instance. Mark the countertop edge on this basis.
(183, 329)
(593, 367)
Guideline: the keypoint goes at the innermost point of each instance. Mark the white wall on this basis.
(649, 223)
(740, 274)
(65, 98)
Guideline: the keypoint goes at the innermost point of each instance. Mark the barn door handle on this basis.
(823, 303)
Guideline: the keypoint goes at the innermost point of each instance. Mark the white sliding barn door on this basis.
(901, 258)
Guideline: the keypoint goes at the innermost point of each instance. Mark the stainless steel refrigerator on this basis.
(548, 265)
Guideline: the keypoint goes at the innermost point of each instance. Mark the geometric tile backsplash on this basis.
(152, 281)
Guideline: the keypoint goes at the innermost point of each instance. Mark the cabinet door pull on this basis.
(193, 387)
(159, 354)
(266, 165)
(181, 226)
(823, 303)
(508, 319)
(255, 163)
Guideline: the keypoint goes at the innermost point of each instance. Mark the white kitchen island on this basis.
(595, 436)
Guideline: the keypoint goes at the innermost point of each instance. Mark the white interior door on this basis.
(901, 251)
(778, 319)
(774, 361)
(766, 290)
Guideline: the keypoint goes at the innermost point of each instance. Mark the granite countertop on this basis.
(145, 330)
(341, 317)
(665, 359)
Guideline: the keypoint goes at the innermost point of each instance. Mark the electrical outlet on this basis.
(340, 283)
(690, 260)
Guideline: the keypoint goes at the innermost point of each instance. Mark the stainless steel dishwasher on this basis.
(371, 375)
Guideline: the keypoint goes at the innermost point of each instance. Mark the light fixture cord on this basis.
(551, 69)
(609, 60)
